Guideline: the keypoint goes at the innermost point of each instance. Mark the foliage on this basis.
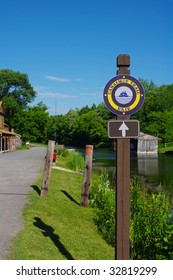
(79, 127)
(24, 147)
(15, 91)
(151, 229)
(32, 124)
(103, 199)
(149, 86)
(89, 129)
(75, 161)
(87, 125)
(156, 115)
(63, 152)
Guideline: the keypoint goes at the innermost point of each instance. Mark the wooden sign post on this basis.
(47, 168)
(123, 96)
(122, 246)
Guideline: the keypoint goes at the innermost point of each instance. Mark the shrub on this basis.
(151, 227)
(63, 152)
(102, 197)
(151, 230)
(75, 161)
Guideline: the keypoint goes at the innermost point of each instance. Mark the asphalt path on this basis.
(18, 172)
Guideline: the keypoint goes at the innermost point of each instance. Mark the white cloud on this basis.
(77, 80)
(61, 80)
(40, 88)
(57, 79)
(90, 94)
(56, 95)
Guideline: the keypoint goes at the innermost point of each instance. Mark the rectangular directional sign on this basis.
(123, 129)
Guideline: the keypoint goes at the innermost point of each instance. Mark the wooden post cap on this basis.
(89, 150)
(123, 60)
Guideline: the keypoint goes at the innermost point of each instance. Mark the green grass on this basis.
(23, 147)
(56, 227)
(72, 161)
(163, 150)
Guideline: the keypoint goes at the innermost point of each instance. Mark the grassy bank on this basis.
(163, 150)
(56, 227)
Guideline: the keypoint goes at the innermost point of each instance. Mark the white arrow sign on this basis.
(123, 127)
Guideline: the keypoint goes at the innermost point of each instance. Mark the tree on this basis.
(148, 86)
(104, 113)
(90, 128)
(15, 92)
(155, 116)
(32, 123)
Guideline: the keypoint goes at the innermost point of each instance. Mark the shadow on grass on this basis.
(48, 231)
(36, 188)
(70, 197)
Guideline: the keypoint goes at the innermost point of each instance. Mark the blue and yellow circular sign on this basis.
(123, 95)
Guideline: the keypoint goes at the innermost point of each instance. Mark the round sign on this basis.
(123, 95)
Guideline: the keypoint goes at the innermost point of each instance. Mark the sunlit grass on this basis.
(56, 227)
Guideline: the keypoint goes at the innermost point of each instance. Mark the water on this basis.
(154, 171)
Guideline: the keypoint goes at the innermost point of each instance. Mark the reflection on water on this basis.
(156, 170)
(147, 166)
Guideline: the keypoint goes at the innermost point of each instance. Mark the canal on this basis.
(154, 171)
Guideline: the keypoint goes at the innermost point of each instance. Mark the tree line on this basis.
(79, 127)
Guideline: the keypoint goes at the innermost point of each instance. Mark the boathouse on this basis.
(9, 140)
(147, 144)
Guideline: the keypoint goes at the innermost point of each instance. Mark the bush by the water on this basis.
(102, 197)
(63, 152)
(75, 161)
(151, 229)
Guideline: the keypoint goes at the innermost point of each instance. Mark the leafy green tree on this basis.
(168, 127)
(104, 113)
(155, 125)
(90, 128)
(148, 86)
(15, 92)
(60, 127)
(32, 123)
(155, 116)
(84, 110)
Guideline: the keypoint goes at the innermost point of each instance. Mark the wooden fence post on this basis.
(87, 175)
(47, 168)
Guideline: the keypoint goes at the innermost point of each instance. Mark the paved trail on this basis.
(18, 171)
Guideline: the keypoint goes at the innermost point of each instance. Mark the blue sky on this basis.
(68, 49)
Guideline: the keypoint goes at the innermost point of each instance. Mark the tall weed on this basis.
(151, 229)
(75, 161)
(102, 197)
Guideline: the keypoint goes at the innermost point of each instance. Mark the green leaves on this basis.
(103, 199)
(156, 115)
(32, 124)
(151, 230)
(16, 92)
